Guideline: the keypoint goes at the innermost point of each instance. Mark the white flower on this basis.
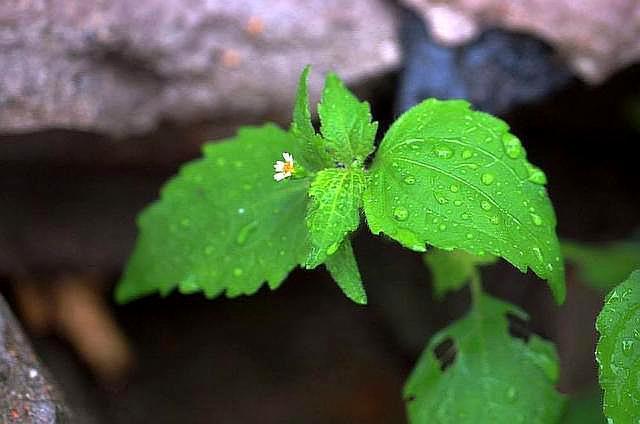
(284, 169)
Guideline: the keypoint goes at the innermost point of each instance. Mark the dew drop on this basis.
(627, 346)
(465, 216)
(245, 232)
(440, 198)
(488, 178)
(538, 253)
(469, 236)
(237, 272)
(457, 202)
(536, 176)
(454, 188)
(442, 227)
(485, 205)
(410, 180)
(536, 219)
(400, 213)
(241, 211)
(512, 146)
(443, 152)
(467, 153)
(333, 248)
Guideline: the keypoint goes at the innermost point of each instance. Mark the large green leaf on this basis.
(452, 270)
(334, 210)
(223, 223)
(603, 265)
(618, 351)
(457, 179)
(344, 269)
(494, 378)
(312, 152)
(345, 123)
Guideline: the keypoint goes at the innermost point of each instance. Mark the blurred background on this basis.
(102, 101)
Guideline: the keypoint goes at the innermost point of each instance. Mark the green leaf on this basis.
(223, 223)
(494, 378)
(452, 270)
(334, 210)
(312, 153)
(603, 265)
(345, 123)
(343, 268)
(618, 351)
(457, 179)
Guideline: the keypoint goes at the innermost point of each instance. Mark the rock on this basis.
(27, 394)
(495, 72)
(118, 69)
(597, 37)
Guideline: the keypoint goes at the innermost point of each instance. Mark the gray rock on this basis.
(27, 395)
(596, 37)
(120, 69)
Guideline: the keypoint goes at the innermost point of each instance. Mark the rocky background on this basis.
(101, 101)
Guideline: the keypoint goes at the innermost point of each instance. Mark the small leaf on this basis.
(494, 378)
(601, 266)
(344, 269)
(312, 152)
(457, 179)
(222, 223)
(334, 210)
(452, 270)
(618, 351)
(345, 123)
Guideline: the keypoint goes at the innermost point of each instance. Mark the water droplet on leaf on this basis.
(485, 205)
(488, 178)
(245, 232)
(536, 175)
(512, 146)
(410, 180)
(443, 152)
(333, 248)
(536, 219)
(400, 213)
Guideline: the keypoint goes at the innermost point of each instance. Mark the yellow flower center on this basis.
(288, 167)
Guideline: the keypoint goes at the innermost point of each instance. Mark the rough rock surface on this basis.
(597, 37)
(27, 395)
(117, 68)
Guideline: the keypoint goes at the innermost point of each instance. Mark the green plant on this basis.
(618, 351)
(443, 176)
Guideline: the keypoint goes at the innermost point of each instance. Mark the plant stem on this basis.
(476, 288)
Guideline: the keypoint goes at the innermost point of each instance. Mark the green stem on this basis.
(476, 287)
